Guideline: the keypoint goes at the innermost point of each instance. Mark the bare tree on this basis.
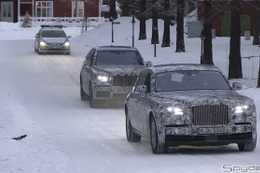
(235, 67)
(257, 23)
(208, 58)
(180, 46)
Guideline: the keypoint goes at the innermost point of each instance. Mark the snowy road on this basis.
(47, 87)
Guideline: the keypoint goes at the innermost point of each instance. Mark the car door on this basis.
(37, 40)
(134, 102)
(145, 105)
(86, 70)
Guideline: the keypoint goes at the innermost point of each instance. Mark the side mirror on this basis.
(69, 36)
(37, 36)
(237, 86)
(141, 89)
(148, 64)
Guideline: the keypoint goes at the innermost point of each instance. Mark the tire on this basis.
(83, 95)
(35, 50)
(92, 101)
(248, 147)
(157, 148)
(130, 134)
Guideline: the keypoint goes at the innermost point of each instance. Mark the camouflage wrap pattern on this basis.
(182, 125)
(111, 71)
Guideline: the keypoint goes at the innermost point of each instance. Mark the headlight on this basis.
(175, 110)
(42, 43)
(102, 78)
(67, 44)
(240, 109)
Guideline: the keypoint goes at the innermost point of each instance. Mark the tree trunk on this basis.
(207, 59)
(180, 47)
(166, 31)
(155, 35)
(257, 23)
(235, 67)
(258, 83)
(142, 33)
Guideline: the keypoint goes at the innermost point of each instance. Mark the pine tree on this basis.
(27, 20)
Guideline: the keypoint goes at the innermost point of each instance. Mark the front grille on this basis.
(55, 44)
(210, 115)
(124, 80)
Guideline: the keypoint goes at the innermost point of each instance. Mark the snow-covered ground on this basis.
(40, 99)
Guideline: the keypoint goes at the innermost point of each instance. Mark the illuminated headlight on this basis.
(67, 44)
(175, 110)
(240, 109)
(42, 43)
(102, 78)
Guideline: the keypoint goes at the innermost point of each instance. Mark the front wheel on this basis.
(248, 147)
(157, 148)
(83, 95)
(92, 101)
(130, 134)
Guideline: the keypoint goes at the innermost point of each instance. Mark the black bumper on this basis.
(223, 139)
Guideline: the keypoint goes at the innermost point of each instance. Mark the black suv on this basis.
(109, 73)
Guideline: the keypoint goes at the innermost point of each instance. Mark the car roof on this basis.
(176, 67)
(115, 48)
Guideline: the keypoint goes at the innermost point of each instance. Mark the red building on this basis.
(221, 16)
(12, 10)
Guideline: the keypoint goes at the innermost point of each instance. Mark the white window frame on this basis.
(81, 6)
(50, 14)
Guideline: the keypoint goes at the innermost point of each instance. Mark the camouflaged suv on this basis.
(109, 73)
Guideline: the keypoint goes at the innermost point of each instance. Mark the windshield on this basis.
(118, 58)
(53, 33)
(190, 80)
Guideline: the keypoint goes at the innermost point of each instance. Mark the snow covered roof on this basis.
(173, 67)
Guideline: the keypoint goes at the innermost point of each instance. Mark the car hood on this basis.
(54, 40)
(119, 70)
(196, 98)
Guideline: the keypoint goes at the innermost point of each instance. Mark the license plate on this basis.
(210, 130)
